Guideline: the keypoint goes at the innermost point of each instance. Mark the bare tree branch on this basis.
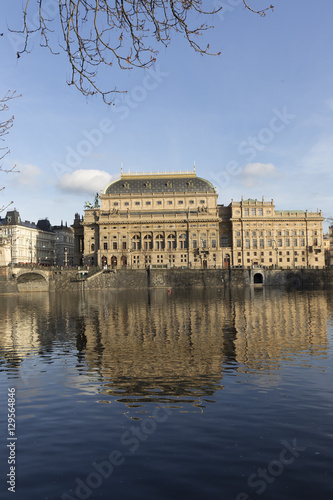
(127, 33)
(5, 126)
(261, 12)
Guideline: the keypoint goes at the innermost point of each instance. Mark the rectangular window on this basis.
(137, 203)
(253, 211)
(114, 245)
(180, 202)
(224, 241)
(287, 242)
(169, 202)
(254, 233)
(238, 233)
(269, 233)
(148, 202)
(286, 233)
(247, 243)
(246, 211)
(124, 245)
(191, 202)
(294, 233)
(159, 203)
(261, 243)
(260, 211)
(213, 243)
(105, 246)
(279, 243)
(295, 242)
(116, 204)
(302, 242)
(269, 243)
(195, 244)
(239, 243)
(126, 203)
(202, 201)
(254, 243)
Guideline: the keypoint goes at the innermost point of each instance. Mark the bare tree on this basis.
(121, 32)
(5, 126)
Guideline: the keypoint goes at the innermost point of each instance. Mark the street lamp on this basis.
(65, 253)
(277, 250)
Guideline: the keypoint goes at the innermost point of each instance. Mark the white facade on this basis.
(25, 243)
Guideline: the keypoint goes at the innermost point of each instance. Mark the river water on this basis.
(132, 395)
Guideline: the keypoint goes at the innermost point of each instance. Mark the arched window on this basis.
(182, 241)
(147, 242)
(171, 241)
(159, 242)
(93, 247)
(136, 242)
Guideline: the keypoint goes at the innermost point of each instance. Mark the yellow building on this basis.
(264, 236)
(163, 220)
(172, 219)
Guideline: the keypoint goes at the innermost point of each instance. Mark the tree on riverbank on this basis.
(5, 126)
(107, 33)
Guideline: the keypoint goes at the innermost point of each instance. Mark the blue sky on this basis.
(257, 120)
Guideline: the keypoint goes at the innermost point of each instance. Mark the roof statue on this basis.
(89, 206)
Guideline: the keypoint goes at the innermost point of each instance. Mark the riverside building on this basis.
(172, 219)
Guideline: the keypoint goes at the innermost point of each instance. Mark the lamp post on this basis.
(276, 248)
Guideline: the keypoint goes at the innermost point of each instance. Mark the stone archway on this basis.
(123, 261)
(32, 282)
(258, 279)
(113, 261)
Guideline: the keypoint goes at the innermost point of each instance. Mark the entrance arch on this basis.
(104, 261)
(113, 261)
(123, 261)
(258, 278)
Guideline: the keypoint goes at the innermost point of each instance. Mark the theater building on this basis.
(160, 219)
(172, 219)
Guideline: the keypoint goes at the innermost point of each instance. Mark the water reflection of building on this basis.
(20, 326)
(169, 349)
(273, 326)
(183, 345)
(153, 346)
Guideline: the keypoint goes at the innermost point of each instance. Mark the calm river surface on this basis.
(137, 395)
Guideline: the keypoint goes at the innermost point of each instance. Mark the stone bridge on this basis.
(33, 279)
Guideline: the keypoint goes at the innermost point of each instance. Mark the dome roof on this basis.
(159, 183)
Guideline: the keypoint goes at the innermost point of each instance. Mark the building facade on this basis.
(173, 220)
(264, 236)
(24, 242)
(64, 245)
